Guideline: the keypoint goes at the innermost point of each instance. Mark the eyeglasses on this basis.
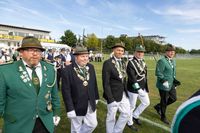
(33, 51)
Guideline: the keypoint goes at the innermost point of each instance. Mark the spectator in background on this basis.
(5, 56)
(72, 54)
(63, 57)
(50, 56)
(68, 57)
(58, 66)
(56, 52)
(15, 55)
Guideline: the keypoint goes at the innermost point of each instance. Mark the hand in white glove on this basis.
(56, 120)
(97, 101)
(113, 104)
(71, 114)
(166, 84)
(141, 92)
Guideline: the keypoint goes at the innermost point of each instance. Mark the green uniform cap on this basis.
(140, 48)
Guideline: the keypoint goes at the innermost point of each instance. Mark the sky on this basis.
(177, 20)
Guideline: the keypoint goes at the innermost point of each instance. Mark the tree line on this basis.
(105, 44)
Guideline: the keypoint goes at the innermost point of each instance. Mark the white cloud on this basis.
(3, 2)
(188, 30)
(17, 9)
(63, 20)
(186, 12)
(141, 28)
(120, 27)
(100, 21)
(24, 10)
(6, 9)
(118, 8)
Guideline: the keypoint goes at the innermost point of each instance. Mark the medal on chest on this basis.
(49, 106)
(48, 101)
(121, 69)
(85, 83)
(84, 76)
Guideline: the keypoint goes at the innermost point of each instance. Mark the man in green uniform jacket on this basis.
(29, 101)
(166, 82)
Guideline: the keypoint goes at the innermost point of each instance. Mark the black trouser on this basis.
(166, 98)
(39, 127)
(58, 78)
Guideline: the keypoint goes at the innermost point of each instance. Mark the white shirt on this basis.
(38, 71)
(68, 57)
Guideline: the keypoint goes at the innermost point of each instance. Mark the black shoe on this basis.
(157, 108)
(137, 121)
(165, 121)
(132, 127)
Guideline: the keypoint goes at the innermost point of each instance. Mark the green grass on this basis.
(187, 72)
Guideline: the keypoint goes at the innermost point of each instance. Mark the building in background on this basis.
(156, 38)
(11, 36)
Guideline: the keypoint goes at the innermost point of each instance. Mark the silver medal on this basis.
(49, 106)
(85, 83)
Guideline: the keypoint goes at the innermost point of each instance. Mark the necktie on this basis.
(120, 64)
(170, 62)
(141, 63)
(83, 70)
(35, 80)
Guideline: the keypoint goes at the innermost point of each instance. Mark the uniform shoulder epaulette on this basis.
(7, 63)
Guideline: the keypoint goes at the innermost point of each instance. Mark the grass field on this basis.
(187, 72)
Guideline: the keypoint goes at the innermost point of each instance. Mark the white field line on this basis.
(147, 120)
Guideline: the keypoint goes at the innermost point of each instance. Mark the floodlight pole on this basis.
(83, 36)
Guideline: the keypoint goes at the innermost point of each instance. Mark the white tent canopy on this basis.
(55, 45)
(3, 45)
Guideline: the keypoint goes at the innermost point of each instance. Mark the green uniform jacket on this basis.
(19, 102)
(165, 72)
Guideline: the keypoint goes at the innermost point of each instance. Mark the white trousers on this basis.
(84, 124)
(145, 102)
(113, 126)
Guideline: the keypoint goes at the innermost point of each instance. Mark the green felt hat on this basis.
(140, 48)
(119, 45)
(80, 50)
(30, 42)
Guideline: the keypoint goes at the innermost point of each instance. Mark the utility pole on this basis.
(83, 36)
(102, 39)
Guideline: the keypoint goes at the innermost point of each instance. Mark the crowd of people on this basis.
(97, 57)
(8, 54)
(29, 88)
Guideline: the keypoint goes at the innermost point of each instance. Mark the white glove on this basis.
(137, 85)
(166, 84)
(56, 120)
(97, 101)
(141, 92)
(113, 104)
(71, 114)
